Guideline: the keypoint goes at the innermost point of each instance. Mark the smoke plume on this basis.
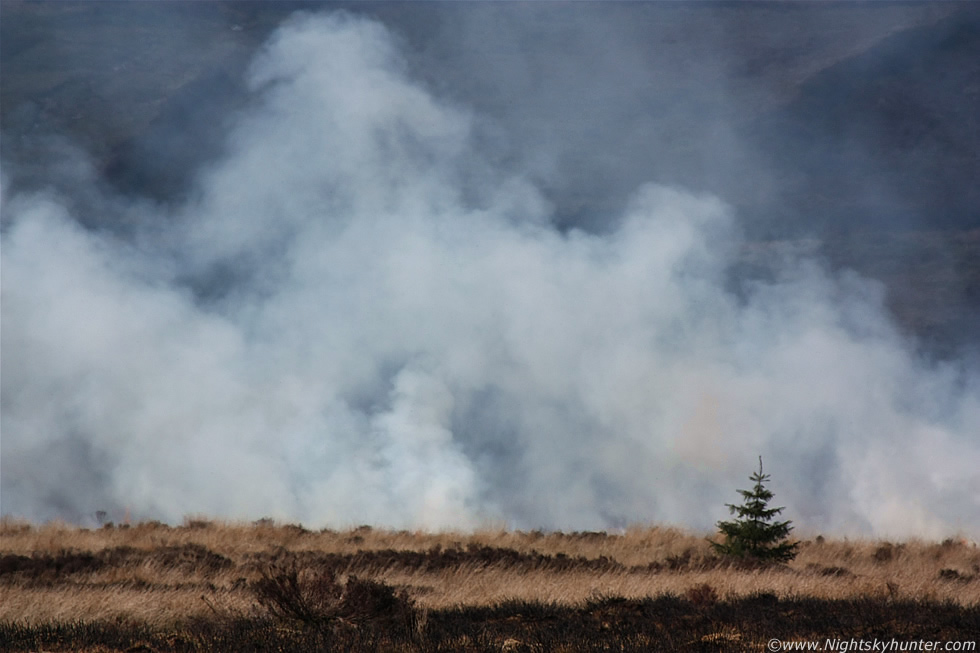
(360, 315)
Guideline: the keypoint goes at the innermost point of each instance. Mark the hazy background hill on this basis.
(853, 123)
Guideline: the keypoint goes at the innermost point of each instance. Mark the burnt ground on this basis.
(659, 624)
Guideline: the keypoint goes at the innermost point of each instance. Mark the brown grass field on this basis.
(210, 585)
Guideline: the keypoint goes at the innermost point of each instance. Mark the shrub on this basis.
(317, 597)
(702, 595)
(884, 553)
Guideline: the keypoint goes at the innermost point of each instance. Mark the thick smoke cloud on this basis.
(361, 317)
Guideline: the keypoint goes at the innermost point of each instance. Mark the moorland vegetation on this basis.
(263, 586)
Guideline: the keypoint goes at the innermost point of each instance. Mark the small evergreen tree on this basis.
(754, 533)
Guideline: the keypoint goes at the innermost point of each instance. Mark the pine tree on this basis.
(754, 534)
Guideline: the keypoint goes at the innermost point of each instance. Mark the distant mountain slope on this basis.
(889, 138)
(837, 120)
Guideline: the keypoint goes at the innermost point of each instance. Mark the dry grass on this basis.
(159, 575)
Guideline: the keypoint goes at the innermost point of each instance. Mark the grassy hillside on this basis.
(195, 586)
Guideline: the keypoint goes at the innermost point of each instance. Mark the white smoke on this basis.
(358, 319)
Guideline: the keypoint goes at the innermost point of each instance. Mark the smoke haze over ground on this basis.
(375, 305)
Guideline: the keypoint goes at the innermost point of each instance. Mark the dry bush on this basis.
(280, 591)
(318, 597)
(702, 595)
(884, 553)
